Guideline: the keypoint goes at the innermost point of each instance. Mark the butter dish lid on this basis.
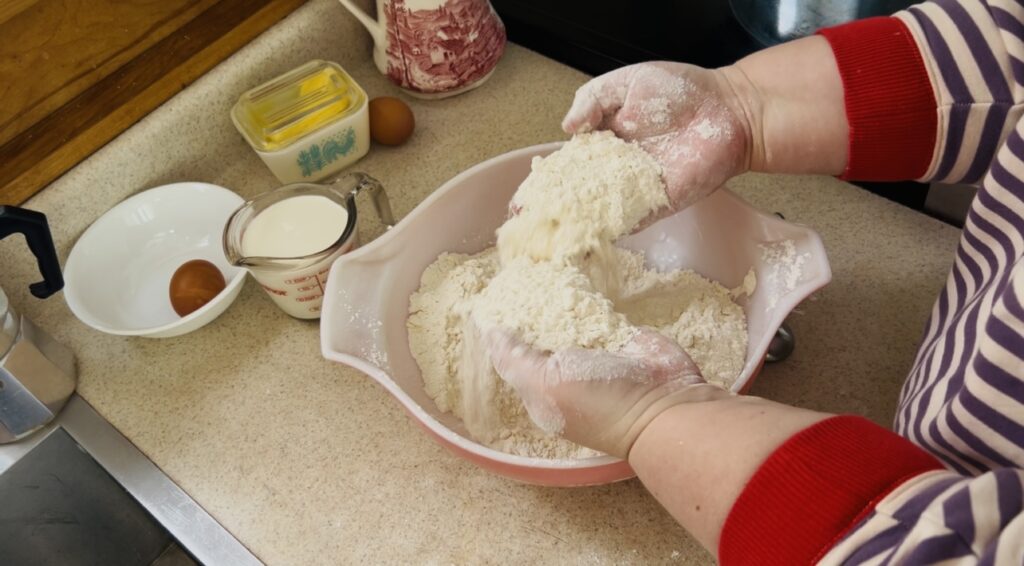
(285, 109)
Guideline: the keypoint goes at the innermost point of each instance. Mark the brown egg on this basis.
(391, 120)
(194, 284)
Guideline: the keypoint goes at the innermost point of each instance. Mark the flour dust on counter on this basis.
(557, 281)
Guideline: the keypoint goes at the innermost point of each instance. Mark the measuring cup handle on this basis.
(381, 203)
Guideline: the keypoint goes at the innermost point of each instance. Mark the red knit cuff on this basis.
(890, 104)
(814, 488)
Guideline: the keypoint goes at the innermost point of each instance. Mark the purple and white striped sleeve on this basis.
(845, 491)
(940, 517)
(935, 93)
(944, 515)
(974, 54)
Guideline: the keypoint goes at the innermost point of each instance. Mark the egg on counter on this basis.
(194, 284)
(391, 120)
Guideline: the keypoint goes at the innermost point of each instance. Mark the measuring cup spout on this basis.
(232, 238)
(240, 261)
(235, 228)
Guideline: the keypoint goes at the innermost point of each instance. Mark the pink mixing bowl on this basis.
(367, 297)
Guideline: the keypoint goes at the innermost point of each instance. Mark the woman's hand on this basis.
(595, 398)
(689, 118)
(780, 110)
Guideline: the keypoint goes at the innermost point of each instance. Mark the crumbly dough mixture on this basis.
(577, 201)
(557, 281)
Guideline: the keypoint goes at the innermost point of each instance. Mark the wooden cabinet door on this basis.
(75, 73)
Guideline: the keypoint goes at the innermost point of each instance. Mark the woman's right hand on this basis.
(602, 400)
(689, 118)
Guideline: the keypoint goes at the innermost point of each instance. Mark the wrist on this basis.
(792, 95)
(655, 403)
(744, 99)
(696, 459)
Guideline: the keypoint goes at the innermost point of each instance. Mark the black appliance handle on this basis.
(37, 233)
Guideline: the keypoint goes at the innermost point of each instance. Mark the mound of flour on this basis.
(556, 280)
(579, 199)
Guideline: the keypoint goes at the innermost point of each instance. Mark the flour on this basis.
(707, 130)
(578, 200)
(697, 313)
(785, 268)
(656, 112)
(551, 306)
(557, 281)
(456, 376)
(436, 328)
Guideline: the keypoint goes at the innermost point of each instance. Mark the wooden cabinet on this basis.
(75, 73)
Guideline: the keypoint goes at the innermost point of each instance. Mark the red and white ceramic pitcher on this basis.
(434, 48)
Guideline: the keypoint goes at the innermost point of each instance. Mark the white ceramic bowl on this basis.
(117, 276)
(366, 302)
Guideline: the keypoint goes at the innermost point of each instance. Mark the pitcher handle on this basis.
(381, 203)
(375, 28)
(37, 233)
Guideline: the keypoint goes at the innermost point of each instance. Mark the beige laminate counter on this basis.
(309, 462)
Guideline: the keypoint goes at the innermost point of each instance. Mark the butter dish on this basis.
(306, 124)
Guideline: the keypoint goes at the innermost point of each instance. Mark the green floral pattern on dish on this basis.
(318, 156)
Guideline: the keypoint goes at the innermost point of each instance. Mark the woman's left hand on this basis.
(689, 118)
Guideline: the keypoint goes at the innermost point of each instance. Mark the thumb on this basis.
(662, 358)
(595, 100)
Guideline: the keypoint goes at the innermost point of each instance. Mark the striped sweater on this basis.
(933, 93)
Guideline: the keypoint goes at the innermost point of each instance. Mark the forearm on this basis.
(792, 96)
(696, 458)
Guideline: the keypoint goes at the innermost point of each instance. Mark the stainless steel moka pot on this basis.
(37, 374)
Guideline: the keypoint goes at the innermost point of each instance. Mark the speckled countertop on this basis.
(308, 462)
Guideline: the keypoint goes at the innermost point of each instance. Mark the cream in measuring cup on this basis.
(289, 237)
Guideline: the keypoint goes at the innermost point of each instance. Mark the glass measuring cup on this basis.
(296, 284)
